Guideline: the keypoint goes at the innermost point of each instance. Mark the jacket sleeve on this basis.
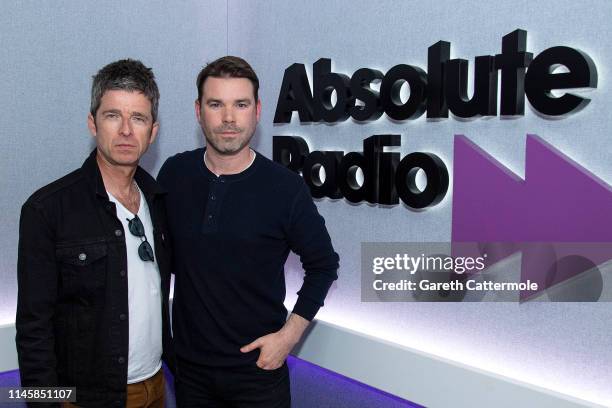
(309, 239)
(36, 299)
(168, 355)
(168, 343)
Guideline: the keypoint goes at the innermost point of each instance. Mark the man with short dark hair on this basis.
(234, 216)
(94, 260)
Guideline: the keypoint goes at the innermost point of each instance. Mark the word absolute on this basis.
(443, 87)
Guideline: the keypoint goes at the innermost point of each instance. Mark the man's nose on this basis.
(228, 115)
(126, 127)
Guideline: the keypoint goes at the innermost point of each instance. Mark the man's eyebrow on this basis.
(213, 100)
(140, 114)
(111, 111)
(245, 100)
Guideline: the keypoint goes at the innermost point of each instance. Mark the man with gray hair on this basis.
(94, 262)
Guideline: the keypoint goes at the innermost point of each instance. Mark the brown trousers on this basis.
(149, 393)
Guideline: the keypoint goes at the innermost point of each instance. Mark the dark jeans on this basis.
(235, 387)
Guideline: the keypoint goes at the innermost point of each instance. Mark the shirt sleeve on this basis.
(309, 239)
(36, 299)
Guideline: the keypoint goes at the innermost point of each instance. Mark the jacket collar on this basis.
(145, 182)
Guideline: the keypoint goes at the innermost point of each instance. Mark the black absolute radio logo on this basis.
(440, 90)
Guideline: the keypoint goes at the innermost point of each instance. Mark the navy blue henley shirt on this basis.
(232, 235)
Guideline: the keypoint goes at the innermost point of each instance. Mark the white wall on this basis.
(49, 53)
(560, 346)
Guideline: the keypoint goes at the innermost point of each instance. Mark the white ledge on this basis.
(407, 373)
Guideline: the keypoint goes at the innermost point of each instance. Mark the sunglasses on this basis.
(145, 252)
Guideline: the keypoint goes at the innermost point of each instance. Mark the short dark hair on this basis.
(128, 75)
(228, 67)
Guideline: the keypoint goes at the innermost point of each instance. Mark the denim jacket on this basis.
(72, 306)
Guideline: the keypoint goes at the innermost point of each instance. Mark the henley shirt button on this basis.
(122, 316)
(212, 197)
(118, 233)
(122, 273)
(210, 217)
(82, 256)
(121, 360)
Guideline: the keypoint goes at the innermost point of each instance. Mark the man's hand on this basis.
(275, 347)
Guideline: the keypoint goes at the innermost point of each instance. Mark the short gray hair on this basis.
(128, 75)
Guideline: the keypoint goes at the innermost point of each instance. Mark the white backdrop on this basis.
(48, 54)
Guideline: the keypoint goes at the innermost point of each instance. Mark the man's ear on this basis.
(197, 109)
(91, 125)
(154, 131)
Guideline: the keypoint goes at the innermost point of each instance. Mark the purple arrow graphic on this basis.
(560, 210)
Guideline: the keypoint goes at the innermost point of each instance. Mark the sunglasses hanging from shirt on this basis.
(145, 252)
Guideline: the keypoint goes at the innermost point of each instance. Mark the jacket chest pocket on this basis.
(82, 267)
